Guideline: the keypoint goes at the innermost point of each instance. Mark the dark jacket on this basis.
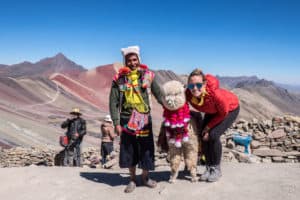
(77, 125)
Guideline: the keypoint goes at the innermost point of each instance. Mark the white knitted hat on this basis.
(131, 49)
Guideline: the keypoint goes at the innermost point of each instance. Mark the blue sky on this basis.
(242, 37)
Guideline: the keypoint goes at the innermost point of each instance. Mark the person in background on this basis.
(221, 108)
(107, 138)
(76, 129)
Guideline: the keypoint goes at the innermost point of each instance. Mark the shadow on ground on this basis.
(117, 179)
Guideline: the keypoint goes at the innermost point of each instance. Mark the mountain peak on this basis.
(58, 58)
(25, 63)
(60, 55)
(251, 83)
(44, 67)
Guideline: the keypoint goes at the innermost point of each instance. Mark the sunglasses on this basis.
(192, 86)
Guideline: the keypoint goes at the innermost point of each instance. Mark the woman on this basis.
(221, 108)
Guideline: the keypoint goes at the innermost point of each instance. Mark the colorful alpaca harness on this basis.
(176, 122)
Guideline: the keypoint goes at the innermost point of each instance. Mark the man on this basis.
(76, 129)
(107, 138)
(130, 111)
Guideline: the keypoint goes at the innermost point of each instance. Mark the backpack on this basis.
(63, 140)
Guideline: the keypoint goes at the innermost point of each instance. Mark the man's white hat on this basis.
(75, 111)
(107, 118)
(131, 49)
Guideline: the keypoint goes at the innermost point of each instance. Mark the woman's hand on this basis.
(205, 134)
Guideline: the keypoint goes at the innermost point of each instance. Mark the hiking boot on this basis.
(206, 174)
(215, 173)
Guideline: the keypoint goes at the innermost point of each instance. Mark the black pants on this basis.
(72, 154)
(106, 149)
(137, 150)
(212, 148)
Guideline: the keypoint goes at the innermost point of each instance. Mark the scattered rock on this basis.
(255, 121)
(276, 140)
(266, 160)
(259, 135)
(277, 159)
(230, 144)
(255, 144)
(292, 118)
(110, 163)
(277, 134)
(229, 156)
(267, 152)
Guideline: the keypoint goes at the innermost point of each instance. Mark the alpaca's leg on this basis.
(175, 159)
(190, 153)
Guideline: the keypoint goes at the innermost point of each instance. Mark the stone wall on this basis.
(276, 140)
(42, 155)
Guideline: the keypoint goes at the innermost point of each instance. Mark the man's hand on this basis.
(76, 135)
(118, 130)
(205, 136)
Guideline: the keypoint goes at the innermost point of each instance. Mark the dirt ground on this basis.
(239, 181)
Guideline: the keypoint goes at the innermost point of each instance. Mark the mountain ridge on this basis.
(32, 106)
(44, 67)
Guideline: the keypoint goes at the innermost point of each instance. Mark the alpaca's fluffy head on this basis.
(173, 95)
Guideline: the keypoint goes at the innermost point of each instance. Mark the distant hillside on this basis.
(264, 99)
(259, 98)
(291, 88)
(36, 97)
(92, 86)
(232, 82)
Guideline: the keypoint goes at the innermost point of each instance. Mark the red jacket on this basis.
(218, 101)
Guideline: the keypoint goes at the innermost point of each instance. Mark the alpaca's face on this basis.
(173, 95)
